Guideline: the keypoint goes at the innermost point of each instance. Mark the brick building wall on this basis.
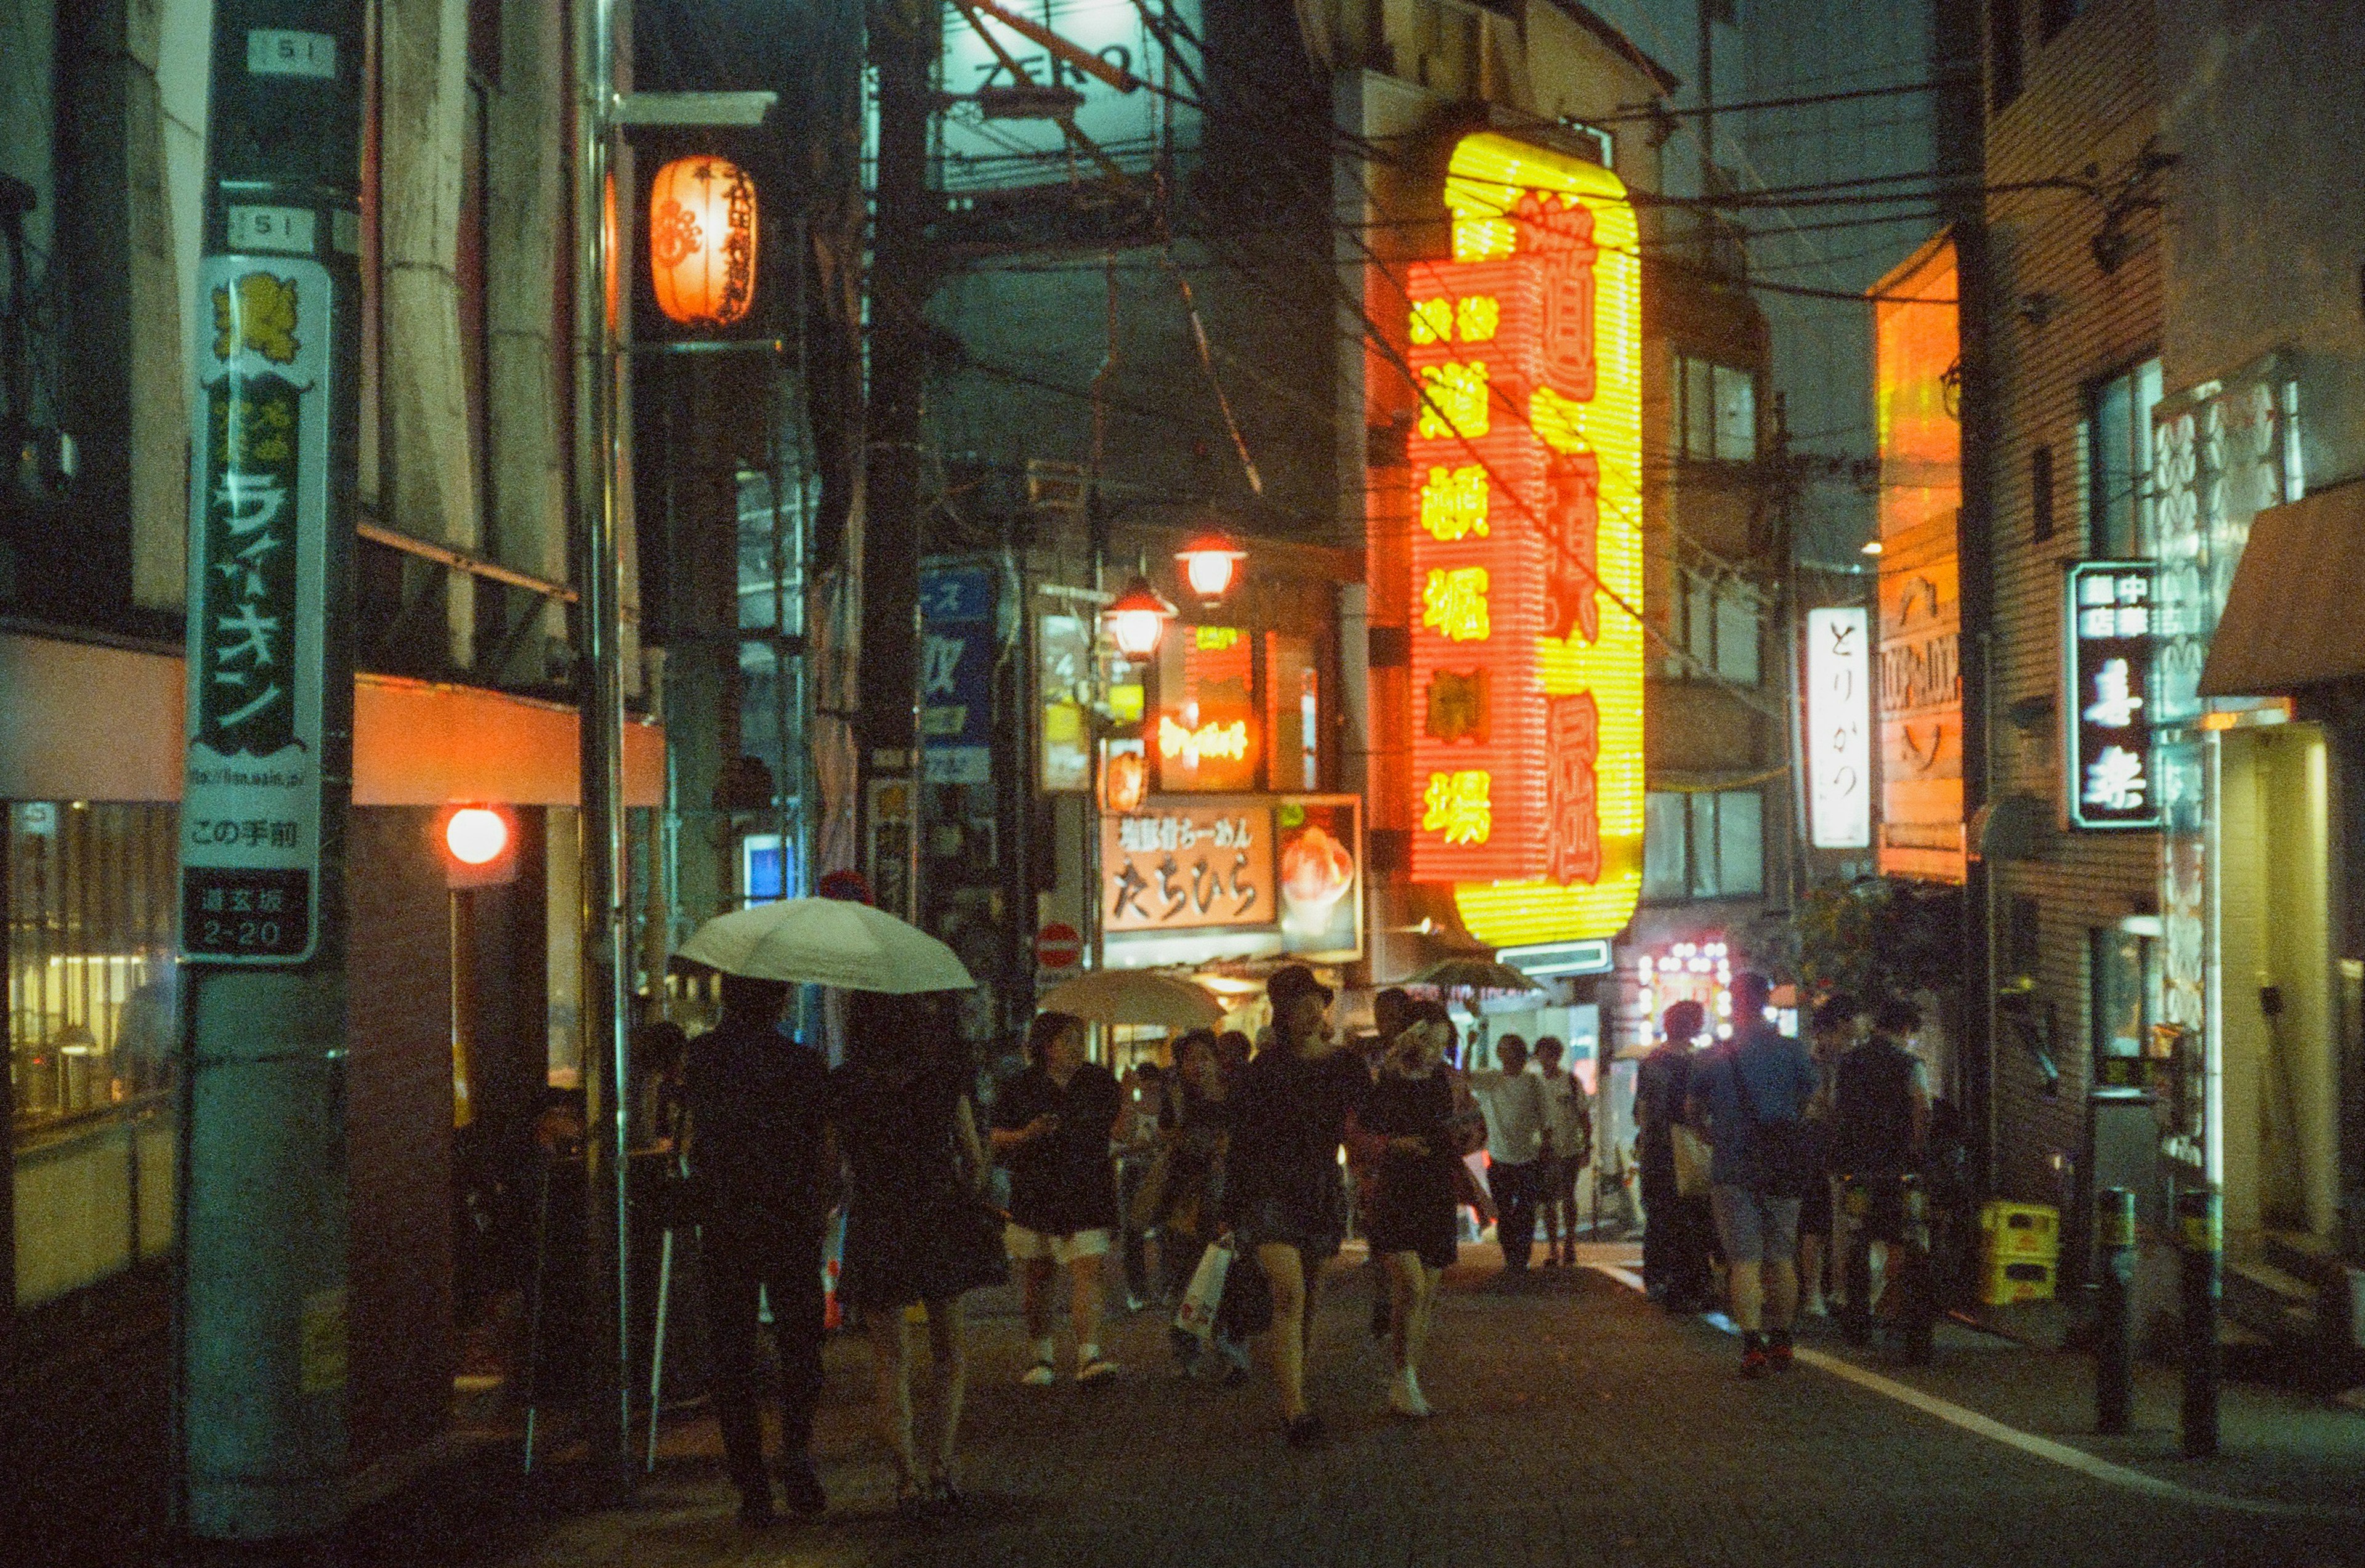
(2057, 322)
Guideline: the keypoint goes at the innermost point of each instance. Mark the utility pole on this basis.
(600, 202)
(904, 47)
(262, 1407)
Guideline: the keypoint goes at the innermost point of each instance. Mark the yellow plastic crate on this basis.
(2019, 1230)
(2003, 1281)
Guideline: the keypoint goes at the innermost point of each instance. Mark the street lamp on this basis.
(1211, 565)
(1136, 619)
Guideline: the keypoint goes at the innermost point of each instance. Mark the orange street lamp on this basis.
(1211, 565)
(1136, 620)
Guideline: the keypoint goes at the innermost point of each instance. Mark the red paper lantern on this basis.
(1137, 618)
(702, 241)
(1211, 564)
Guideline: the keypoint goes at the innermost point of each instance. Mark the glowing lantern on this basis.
(475, 835)
(1137, 618)
(1211, 563)
(702, 241)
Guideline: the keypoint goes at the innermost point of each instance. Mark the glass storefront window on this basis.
(94, 1010)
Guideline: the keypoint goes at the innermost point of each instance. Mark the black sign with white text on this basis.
(2108, 638)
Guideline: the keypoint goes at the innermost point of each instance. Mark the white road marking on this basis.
(2062, 1454)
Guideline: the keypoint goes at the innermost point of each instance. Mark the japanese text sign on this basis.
(252, 798)
(956, 675)
(1526, 548)
(1839, 728)
(2110, 639)
(1175, 865)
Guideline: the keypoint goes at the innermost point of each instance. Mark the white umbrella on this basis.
(1135, 996)
(827, 942)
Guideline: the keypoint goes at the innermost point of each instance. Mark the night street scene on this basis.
(1182, 783)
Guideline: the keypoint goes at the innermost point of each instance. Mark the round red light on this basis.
(1210, 564)
(475, 837)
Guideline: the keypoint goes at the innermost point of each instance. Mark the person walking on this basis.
(1568, 1149)
(1283, 1192)
(1052, 1126)
(1142, 1093)
(1196, 1130)
(1411, 1109)
(1513, 1101)
(1674, 1234)
(1880, 1127)
(1832, 1035)
(1753, 1092)
(918, 1232)
(761, 1177)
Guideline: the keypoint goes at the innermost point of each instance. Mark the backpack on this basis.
(1784, 1157)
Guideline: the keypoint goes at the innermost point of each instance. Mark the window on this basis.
(2118, 443)
(1716, 411)
(2126, 976)
(92, 1038)
(1706, 844)
(1293, 711)
(2003, 51)
(2040, 493)
(1719, 628)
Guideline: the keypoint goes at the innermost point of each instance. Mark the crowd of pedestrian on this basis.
(1231, 1157)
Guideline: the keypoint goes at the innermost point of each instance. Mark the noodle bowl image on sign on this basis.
(1527, 549)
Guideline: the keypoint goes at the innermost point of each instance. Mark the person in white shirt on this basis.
(1568, 1148)
(1513, 1102)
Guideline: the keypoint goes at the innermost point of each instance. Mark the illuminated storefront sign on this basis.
(1838, 739)
(1205, 733)
(1281, 871)
(1526, 549)
(2109, 639)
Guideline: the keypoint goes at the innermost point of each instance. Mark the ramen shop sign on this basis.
(1526, 548)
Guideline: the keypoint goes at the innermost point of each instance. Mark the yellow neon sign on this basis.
(1454, 601)
(1457, 804)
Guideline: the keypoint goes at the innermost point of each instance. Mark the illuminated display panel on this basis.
(1526, 460)
(1205, 733)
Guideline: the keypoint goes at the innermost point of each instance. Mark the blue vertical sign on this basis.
(956, 675)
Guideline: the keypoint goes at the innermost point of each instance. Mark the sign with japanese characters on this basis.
(2109, 641)
(1525, 530)
(1839, 728)
(1173, 864)
(956, 675)
(251, 805)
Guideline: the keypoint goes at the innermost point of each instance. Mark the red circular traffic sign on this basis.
(1058, 946)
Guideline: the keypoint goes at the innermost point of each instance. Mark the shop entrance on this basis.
(2279, 1086)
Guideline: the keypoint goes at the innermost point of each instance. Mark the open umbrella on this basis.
(827, 942)
(1136, 996)
(1472, 975)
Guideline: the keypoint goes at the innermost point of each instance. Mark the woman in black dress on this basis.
(1411, 1108)
(916, 1228)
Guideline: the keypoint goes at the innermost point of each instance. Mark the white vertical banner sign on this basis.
(258, 545)
(1839, 729)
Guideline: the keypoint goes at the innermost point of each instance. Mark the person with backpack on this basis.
(1568, 1149)
(1753, 1092)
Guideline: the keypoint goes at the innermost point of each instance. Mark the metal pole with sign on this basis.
(268, 778)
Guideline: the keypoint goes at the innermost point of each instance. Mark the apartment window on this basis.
(92, 1038)
(1722, 628)
(2119, 525)
(1703, 845)
(2003, 51)
(2040, 493)
(1716, 411)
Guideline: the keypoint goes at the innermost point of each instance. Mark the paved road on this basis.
(1576, 1425)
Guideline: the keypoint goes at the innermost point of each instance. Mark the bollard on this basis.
(2199, 1241)
(2114, 1320)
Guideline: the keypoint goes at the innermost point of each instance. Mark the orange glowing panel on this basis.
(1525, 548)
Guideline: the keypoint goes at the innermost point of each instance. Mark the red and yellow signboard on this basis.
(1527, 549)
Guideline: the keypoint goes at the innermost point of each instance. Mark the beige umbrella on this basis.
(1472, 975)
(827, 942)
(1136, 996)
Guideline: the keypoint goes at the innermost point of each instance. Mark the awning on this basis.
(2293, 617)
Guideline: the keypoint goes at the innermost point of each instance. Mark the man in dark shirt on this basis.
(1052, 1125)
(760, 1161)
(1880, 1121)
(1676, 1233)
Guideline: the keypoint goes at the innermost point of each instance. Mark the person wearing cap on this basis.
(1283, 1198)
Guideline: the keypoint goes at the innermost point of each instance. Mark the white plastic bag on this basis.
(1197, 1313)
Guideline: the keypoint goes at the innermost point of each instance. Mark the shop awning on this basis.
(2295, 615)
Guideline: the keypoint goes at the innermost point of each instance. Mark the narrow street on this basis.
(1576, 1423)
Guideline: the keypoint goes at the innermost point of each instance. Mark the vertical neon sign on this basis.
(1527, 549)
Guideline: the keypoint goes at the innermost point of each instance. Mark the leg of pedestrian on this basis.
(1085, 1273)
(890, 1364)
(1284, 1268)
(732, 1283)
(800, 1312)
(1034, 1300)
(1415, 1287)
(1781, 1280)
(949, 1385)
